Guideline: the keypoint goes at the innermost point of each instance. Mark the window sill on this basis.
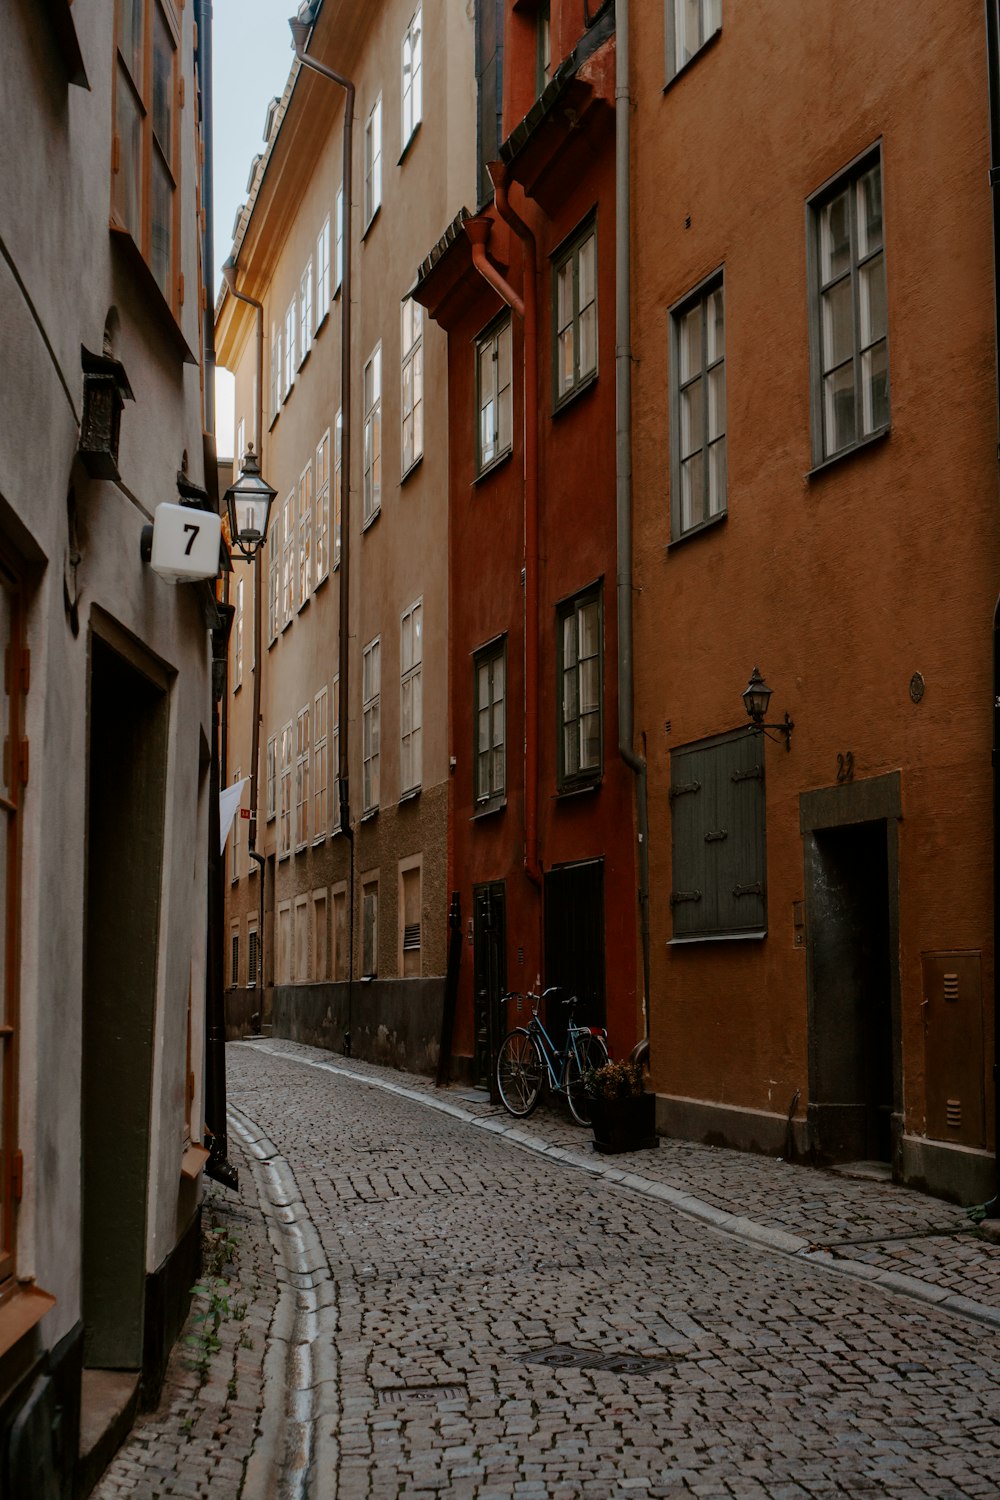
(568, 398)
(323, 578)
(410, 795)
(411, 470)
(709, 41)
(371, 519)
(302, 606)
(300, 848)
(237, 688)
(304, 360)
(699, 530)
(274, 418)
(282, 857)
(337, 290)
(321, 324)
(489, 810)
(320, 839)
(409, 142)
(288, 391)
(193, 1161)
(19, 1314)
(860, 447)
(366, 817)
(156, 304)
(492, 467)
(371, 221)
(270, 817)
(287, 623)
(753, 936)
(579, 788)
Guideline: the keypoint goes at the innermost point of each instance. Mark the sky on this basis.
(252, 49)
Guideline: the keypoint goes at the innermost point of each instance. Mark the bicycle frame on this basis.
(551, 1055)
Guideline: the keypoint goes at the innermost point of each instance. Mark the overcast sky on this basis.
(252, 48)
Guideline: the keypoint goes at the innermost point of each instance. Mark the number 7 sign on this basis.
(185, 543)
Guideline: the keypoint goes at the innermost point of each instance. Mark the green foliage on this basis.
(615, 1080)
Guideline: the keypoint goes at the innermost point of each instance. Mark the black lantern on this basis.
(105, 391)
(756, 697)
(248, 507)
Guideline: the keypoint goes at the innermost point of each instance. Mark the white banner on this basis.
(229, 801)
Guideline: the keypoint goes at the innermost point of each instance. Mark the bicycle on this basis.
(528, 1057)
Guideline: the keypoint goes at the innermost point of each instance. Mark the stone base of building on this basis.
(40, 1417)
(958, 1173)
(396, 1022)
(168, 1300)
(728, 1125)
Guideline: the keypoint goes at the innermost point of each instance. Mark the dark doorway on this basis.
(852, 1047)
(489, 960)
(125, 810)
(574, 940)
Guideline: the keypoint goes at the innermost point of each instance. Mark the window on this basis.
(319, 955)
(690, 24)
(288, 568)
(494, 396)
(234, 958)
(575, 324)
(373, 161)
(276, 371)
(489, 91)
(490, 750)
(543, 46)
(411, 632)
(253, 955)
(698, 409)
(283, 945)
(12, 691)
(338, 474)
(236, 842)
(369, 928)
(323, 272)
(275, 548)
(146, 146)
(579, 689)
(301, 939)
(335, 752)
(319, 766)
(302, 756)
(291, 335)
(339, 895)
(413, 383)
(305, 533)
(306, 311)
(323, 506)
(338, 254)
(285, 810)
(849, 311)
(241, 441)
(238, 636)
(272, 776)
(409, 918)
(412, 78)
(717, 812)
(370, 713)
(373, 435)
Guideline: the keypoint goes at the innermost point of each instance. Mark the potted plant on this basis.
(623, 1115)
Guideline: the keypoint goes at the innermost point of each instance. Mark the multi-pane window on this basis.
(238, 636)
(288, 579)
(319, 777)
(338, 475)
(253, 956)
(302, 758)
(305, 533)
(494, 395)
(335, 752)
(575, 324)
(276, 371)
(412, 76)
(369, 928)
(338, 251)
(12, 689)
(490, 669)
(272, 776)
(323, 272)
(409, 917)
(698, 409)
(412, 382)
(543, 46)
(370, 725)
(690, 24)
(579, 688)
(411, 713)
(146, 148)
(241, 437)
(274, 556)
(373, 435)
(850, 327)
(290, 341)
(306, 310)
(373, 161)
(323, 506)
(285, 809)
(236, 843)
(717, 815)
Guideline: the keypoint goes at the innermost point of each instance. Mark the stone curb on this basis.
(750, 1231)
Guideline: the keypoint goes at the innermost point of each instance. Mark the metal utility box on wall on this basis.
(953, 1047)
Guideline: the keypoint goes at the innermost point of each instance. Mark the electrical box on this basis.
(953, 1047)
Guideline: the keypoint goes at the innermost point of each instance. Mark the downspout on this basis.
(207, 210)
(623, 475)
(229, 273)
(300, 34)
(526, 307)
(993, 82)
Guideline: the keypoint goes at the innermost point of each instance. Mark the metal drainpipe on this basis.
(993, 82)
(207, 207)
(300, 35)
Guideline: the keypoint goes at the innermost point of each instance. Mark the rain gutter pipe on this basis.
(623, 474)
(301, 29)
(526, 306)
(993, 82)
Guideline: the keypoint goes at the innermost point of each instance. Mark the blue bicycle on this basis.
(528, 1058)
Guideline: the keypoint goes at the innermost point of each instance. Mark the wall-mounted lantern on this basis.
(756, 697)
(248, 507)
(105, 391)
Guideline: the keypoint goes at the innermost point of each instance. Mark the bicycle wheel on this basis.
(590, 1052)
(519, 1072)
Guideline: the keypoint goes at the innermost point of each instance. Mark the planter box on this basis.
(624, 1124)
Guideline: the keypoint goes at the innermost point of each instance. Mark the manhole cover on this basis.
(565, 1356)
(403, 1394)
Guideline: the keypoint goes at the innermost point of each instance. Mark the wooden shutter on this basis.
(719, 857)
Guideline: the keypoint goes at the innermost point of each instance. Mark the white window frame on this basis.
(303, 754)
(241, 438)
(490, 725)
(274, 552)
(689, 30)
(323, 272)
(289, 562)
(411, 632)
(285, 789)
(321, 531)
(305, 557)
(495, 395)
(271, 775)
(335, 753)
(236, 842)
(291, 339)
(373, 162)
(574, 308)
(699, 445)
(305, 312)
(411, 403)
(338, 482)
(371, 715)
(338, 244)
(276, 371)
(238, 637)
(372, 400)
(412, 78)
(320, 775)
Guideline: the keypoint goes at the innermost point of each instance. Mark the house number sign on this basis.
(185, 543)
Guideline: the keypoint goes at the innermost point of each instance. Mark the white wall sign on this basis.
(185, 543)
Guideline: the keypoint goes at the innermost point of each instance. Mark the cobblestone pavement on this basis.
(452, 1314)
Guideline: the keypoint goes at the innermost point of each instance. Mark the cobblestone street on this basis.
(433, 1299)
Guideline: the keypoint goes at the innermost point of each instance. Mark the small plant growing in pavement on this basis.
(615, 1080)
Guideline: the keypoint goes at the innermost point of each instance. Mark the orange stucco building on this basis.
(815, 488)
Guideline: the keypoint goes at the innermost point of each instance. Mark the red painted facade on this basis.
(559, 153)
